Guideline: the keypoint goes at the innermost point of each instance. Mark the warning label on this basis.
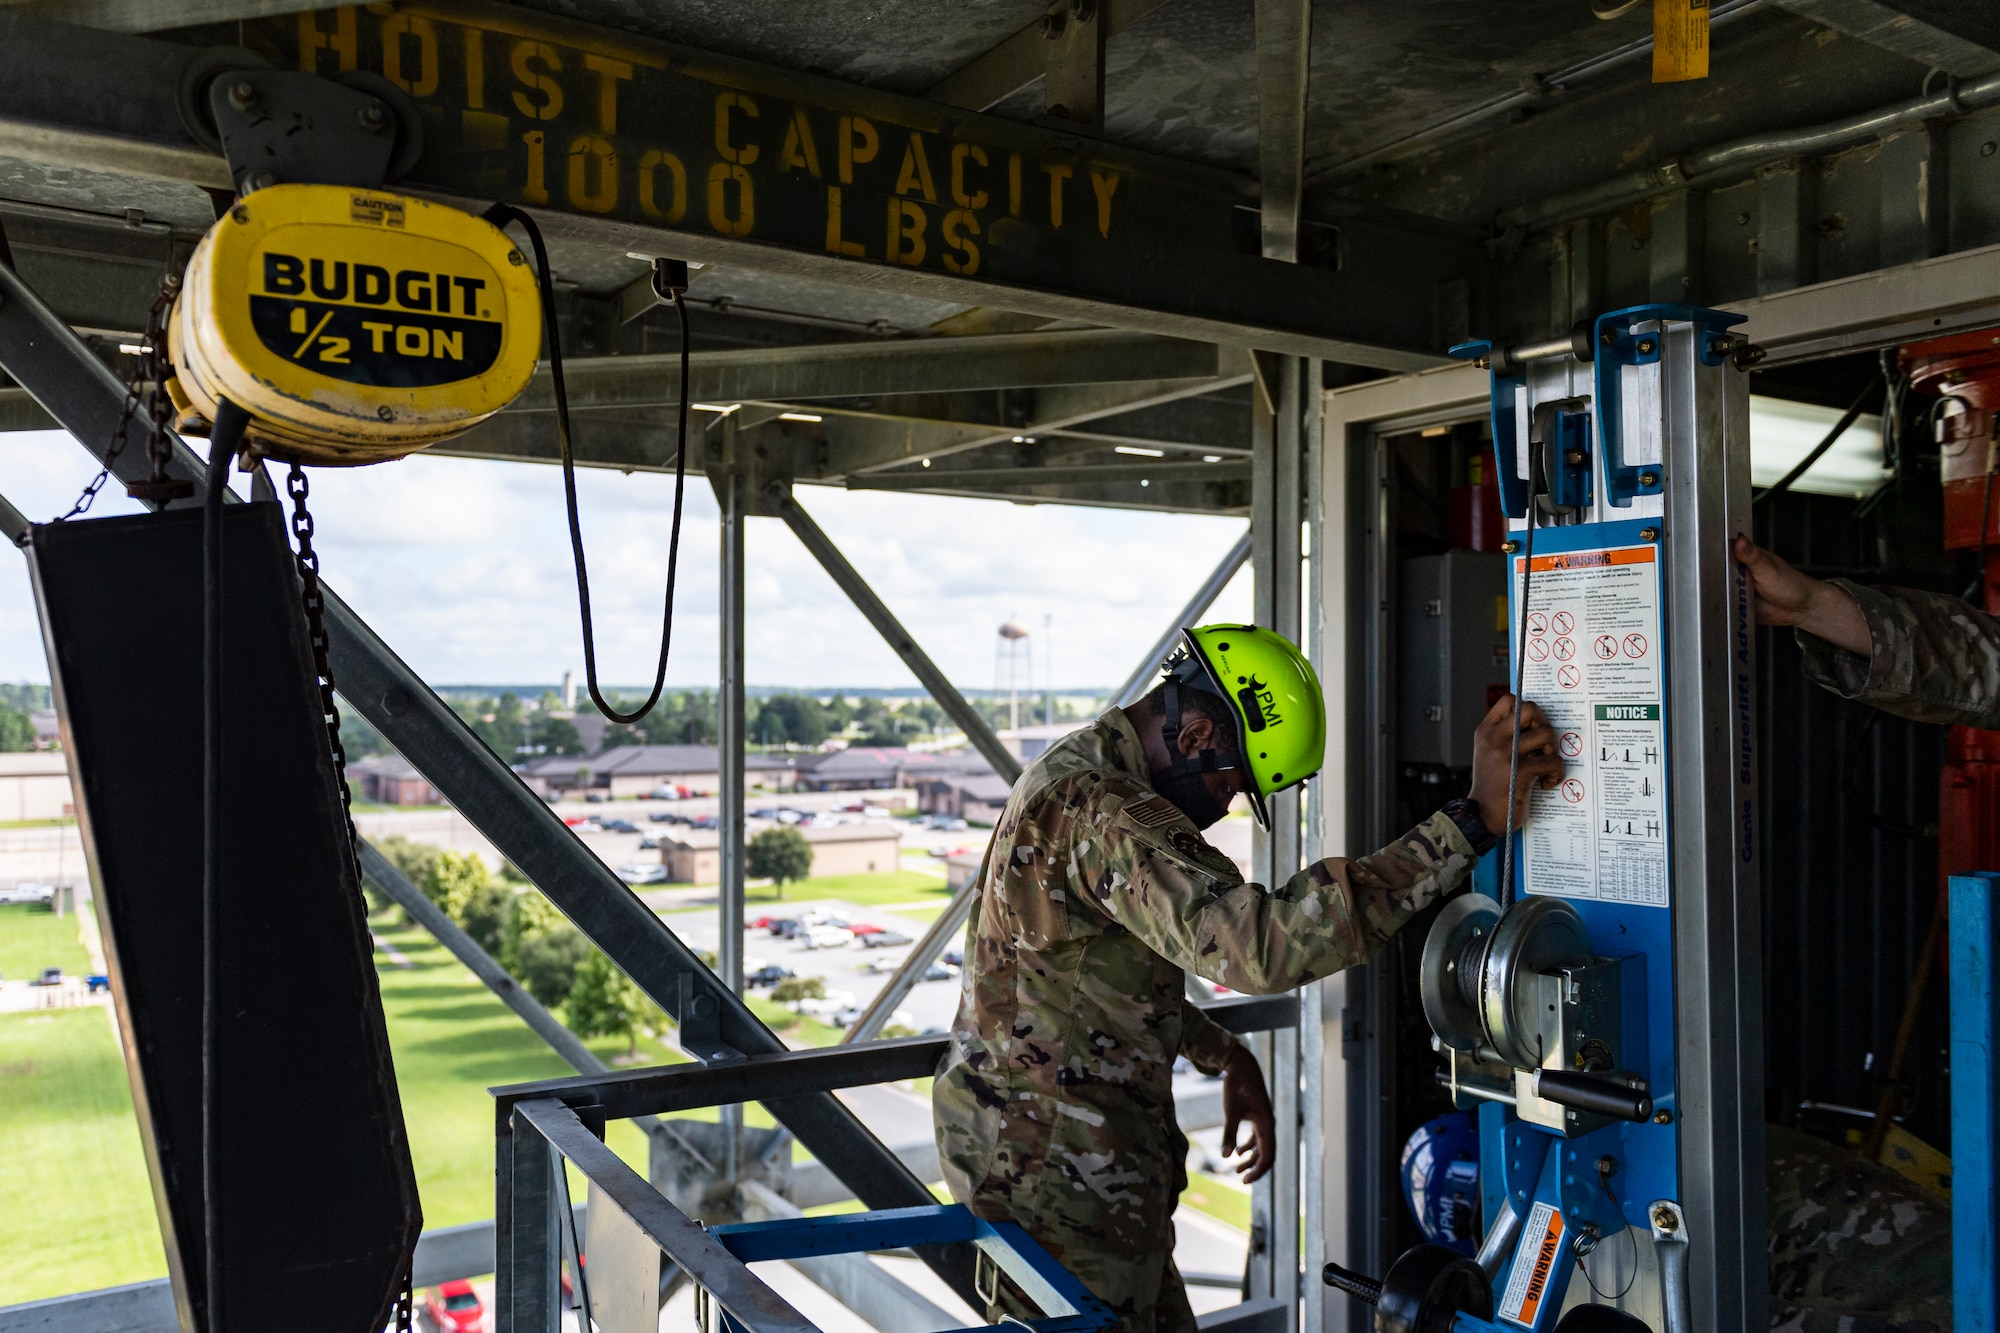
(1593, 664)
(1535, 1257)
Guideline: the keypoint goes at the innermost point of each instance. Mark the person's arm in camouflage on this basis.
(1205, 1042)
(1151, 872)
(1919, 655)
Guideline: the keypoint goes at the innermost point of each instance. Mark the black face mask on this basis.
(1190, 793)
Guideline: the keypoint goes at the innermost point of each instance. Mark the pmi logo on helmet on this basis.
(365, 324)
(1259, 704)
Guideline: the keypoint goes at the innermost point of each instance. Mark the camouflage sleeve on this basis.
(1932, 658)
(1205, 1042)
(1151, 871)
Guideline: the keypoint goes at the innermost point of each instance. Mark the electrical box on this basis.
(1454, 653)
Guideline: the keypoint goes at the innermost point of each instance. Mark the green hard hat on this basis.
(1275, 694)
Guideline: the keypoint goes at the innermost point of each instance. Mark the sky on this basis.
(464, 568)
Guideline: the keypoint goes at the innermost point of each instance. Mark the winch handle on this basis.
(1600, 1096)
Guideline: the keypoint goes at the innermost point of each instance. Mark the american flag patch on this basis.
(1153, 812)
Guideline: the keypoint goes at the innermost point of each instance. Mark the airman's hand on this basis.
(1540, 766)
(1786, 597)
(1245, 1102)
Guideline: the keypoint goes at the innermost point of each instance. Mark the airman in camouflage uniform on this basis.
(1919, 655)
(1932, 658)
(1054, 1107)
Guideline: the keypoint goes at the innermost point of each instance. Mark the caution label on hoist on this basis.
(1535, 1256)
(1592, 661)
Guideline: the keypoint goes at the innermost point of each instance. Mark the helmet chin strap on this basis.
(1205, 761)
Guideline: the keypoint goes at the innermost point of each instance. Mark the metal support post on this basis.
(49, 361)
(1141, 680)
(1975, 1096)
(729, 488)
(1276, 497)
(1313, 1138)
(526, 1295)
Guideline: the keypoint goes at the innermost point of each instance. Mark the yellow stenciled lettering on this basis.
(916, 170)
(1105, 183)
(649, 200)
(608, 72)
(584, 151)
(719, 177)
(536, 189)
(731, 151)
(377, 334)
(397, 27)
(1013, 185)
(333, 350)
(413, 340)
(1057, 173)
(858, 143)
(960, 226)
(475, 70)
(799, 150)
(959, 195)
(539, 80)
(448, 344)
(906, 233)
(834, 244)
(341, 41)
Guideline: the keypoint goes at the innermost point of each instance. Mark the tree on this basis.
(779, 855)
(791, 719)
(542, 949)
(454, 877)
(553, 735)
(409, 856)
(17, 732)
(486, 914)
(793, 989)
(603, 1002)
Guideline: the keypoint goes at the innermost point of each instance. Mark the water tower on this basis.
(1013, 643)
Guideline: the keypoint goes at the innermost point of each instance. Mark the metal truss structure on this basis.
(1136, 253)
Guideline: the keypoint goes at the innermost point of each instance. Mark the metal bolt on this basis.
(1053, 25)
(1649, 478)
(516, 258)
(1987, 149)
(239, 214)
(1483, 362)
(1649, 534)
(1663, 1117)
(1573, 457)
(243, 95)
(1510, 547)
(1083, 11)
(261, 179)
(1666, 1219)
(386, 412)
(1646, 346)
(1607, 1165)
(373, 116)
(1609, 337)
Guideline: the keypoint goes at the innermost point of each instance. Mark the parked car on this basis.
(581, 823)
(706, 822)
(949, 824)
(864, 928)
(828, 937)
(784, 927)
(455, 1308)
(98, 982)
(649, 843)
(663, 816)
(50, 976)
(28, 893)
(939, 972)
(818, 917)
(666, 792)
(873, 812)
(768, 975)
(641, 873)
(620, 826)
(883, 939)
(954, 956)
(595, 797)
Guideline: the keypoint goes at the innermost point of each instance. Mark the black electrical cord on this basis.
(500, 215)
(1618, 1211)
(228, 432)
(1520, 686)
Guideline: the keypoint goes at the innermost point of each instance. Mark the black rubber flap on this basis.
(319, 1202)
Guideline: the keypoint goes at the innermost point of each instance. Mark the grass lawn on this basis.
(76, 1210)
(893, 886)
(1221, 1200)
(32, 937)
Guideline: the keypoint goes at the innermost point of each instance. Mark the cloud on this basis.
(464, 568)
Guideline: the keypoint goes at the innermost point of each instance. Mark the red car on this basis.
(455, 1308)
(863, 928)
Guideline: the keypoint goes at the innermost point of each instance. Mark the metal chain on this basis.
(315, 604)
(147, 385)
(405, 1304)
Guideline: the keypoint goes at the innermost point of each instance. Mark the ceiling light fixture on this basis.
(799, 416)
(1138, 452)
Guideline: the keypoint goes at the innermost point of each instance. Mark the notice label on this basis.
(1593, 664)
(1534, 1260)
